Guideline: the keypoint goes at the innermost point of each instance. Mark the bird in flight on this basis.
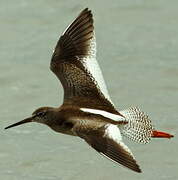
(87, 110)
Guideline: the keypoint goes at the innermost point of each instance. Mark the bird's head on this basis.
(40, 115)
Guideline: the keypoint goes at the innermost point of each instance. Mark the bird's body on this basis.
(87, 110)
(66, 119)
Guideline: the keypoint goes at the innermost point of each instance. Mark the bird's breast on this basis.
(64, 128)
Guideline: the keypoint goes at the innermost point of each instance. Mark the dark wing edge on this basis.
(76, 44)
(113, 151)
(76, 40)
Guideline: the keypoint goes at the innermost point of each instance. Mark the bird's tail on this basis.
(139, 127)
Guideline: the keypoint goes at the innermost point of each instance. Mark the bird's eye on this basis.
(41, 113)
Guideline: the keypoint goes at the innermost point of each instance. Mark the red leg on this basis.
(159, 134)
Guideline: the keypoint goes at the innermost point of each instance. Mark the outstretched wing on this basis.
(74, 63)
(108, 142)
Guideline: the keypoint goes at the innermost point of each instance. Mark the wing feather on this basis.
(74, 63)
(107, 141)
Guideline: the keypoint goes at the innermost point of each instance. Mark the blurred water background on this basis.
(137, 44)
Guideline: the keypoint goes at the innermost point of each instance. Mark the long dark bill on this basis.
(27, 120)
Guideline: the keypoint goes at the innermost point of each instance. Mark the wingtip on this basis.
(86, 10)
(136, 168)
(139, 170)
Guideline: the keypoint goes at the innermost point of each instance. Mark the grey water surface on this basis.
(138, 53)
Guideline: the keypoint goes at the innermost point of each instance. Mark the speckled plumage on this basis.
(87, 111)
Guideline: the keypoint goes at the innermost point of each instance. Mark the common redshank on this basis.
(87, 110)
